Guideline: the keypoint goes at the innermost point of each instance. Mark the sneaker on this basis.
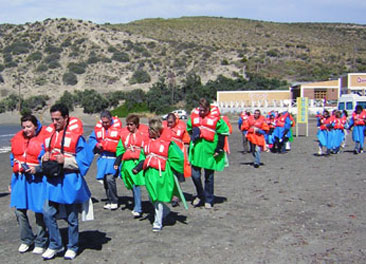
(38, 250)
(256, 166)
(136, 214)
(23, 248)
(156, 229)
(113, 206)
(208, 206)
(70, 254)
(51, 253)
(196, 202)
(107, 206)
(101, 182)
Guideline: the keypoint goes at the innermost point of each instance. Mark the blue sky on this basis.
(122, 11)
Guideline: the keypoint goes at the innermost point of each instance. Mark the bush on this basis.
(120, 56)
(18, 47)
(2, 67)
(42, 68)
(69, 78)
(35, 103)
(124, 110)
(140, 76)
(78, 68)
(35, 56)
(52, 57)
(52, 49)
(67, 99)
(224, 62)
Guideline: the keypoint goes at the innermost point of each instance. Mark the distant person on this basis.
(27, 187)
(257, 127)
(357, 124)
(323, 124)
(103, 141)
(130, 153)
(243, 118)
(338, 132)
(281, 132)
(162, 159)
(206, 151)
(65, 188)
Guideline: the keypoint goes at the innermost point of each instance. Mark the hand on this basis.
(216, 154)
(134, 171)
(99, 146)
(115, 167)
(46, 156)
(31, 170)
(60, 159)
(9, 188)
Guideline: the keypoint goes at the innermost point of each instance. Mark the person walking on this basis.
(103, 141)
(206, 151)
(27, 188)
(130, 152)
(66, 188)
(257, 127)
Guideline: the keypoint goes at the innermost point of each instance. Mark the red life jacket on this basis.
(156, 151)
(70, 142)
(207, 125)
(133, 144)
(281, 120)
(338, 124)
(324, 122)
(26, 150)
(258, 123)
(359, 119)
(108, 138)
(75, 126)
(178, 132)
(244, 117)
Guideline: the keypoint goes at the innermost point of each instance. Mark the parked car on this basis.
(181, 113)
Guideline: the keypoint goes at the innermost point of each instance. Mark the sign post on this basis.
(302, 114)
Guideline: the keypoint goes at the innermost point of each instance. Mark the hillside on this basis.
(51, 56)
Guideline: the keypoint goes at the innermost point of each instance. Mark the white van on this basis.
(349, 101)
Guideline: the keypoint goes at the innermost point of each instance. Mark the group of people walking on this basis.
(265, 133)
(333, 130)
(49, 165)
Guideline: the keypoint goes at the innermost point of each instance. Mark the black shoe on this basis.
(355, 152)
(256, 166)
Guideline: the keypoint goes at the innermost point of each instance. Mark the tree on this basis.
(158, 97)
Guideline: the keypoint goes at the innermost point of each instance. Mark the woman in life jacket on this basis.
(130, 153)
(338, 132)
(162, 159)
(324, 125)
(27, 187)
(357, 124)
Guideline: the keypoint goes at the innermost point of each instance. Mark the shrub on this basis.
(18, 47)
(42, 68)
(78, 68)
(52, 49)
(224, 62)
(52, 57)
(140, 76)
(68, 99)
(35, 56)
(35, 103)
(120, 56)
(2, 67)
(69, 78)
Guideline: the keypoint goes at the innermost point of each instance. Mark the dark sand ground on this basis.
(296, 208)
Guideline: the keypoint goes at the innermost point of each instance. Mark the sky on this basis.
(123, 11)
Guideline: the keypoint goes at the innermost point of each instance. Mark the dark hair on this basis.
(60, 108)
(204, 103)
(106, 113)
(31, 118)
(171, 115)
(134, 119)
(345, 113)
(359, 107)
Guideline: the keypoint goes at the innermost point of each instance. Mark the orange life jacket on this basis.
(281, 120)
(156, 151)
(338, 124)
(26, 150)
(108, 138)
(133, 144)
(70, 142)
(75, 126)
(324, 122)
(178, 133)
(359, 119)
(260, 123)
(207, 125)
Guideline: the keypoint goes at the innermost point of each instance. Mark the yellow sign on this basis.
(302, 110)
